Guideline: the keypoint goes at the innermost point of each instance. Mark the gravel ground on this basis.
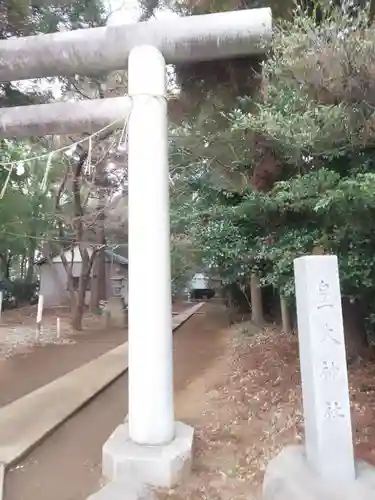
(18, 328)
(15, 340)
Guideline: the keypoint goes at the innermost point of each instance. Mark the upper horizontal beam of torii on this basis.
(95, 50)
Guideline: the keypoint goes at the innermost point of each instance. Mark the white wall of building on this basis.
(199, 282)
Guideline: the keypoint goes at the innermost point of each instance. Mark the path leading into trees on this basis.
(67, 465)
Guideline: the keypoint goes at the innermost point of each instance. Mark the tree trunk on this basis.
(79, 308)
(356, 342)
(30, 259)
(285, 315)
(23, 266)
(98, 284)
(30, 270)
(30, 266)
(8, 265)
(256, 301)
(78, 311)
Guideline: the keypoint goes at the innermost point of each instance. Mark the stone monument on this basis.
(324, 469)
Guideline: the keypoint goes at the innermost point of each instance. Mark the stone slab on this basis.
(160, 466)
(326, 405)
(289, 477)
(23, 425)
(123, 491)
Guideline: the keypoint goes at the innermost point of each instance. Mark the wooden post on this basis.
(1, 303)
(256, 301)
(39, 316)
(2, 480)
(285, 315)
(58, 329)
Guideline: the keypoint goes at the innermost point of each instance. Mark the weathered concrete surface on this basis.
(26, 421)
(120, 491)
(288, 477)
(324, 374)
(215, 36)
(160, 466)
(59, 118)
(131, 468)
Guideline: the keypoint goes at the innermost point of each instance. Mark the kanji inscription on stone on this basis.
(334, 410)
(328, 430)
(329, 371)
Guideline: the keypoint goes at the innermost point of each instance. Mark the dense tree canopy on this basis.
(273, 159)
(37, 209)
(289, 168)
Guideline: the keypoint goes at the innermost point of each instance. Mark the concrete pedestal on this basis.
(123, 491)
(116, 313)
(289, 477)
(159, 466)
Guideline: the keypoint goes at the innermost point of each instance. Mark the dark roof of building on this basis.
(116, 257)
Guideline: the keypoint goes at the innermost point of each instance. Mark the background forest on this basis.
(269, 160)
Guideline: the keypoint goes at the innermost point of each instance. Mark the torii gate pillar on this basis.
(150, 447)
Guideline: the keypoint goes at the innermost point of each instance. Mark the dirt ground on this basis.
(32, 366)
(26, 365)
(67, 465)
(247, 407)
(18, 328)
(239, 387)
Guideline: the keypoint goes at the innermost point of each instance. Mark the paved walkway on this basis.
(67, 465)
(29, 419)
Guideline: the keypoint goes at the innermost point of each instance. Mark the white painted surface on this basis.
(53, 282)
(72, 255)
(39, 314)
(186, 39)
(328, 431)
(199, 282)
(151, 415)
(59, 118)
(58, 328)
(2, 481)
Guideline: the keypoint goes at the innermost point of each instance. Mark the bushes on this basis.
(25, 292)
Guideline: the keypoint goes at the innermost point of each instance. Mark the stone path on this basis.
(29, 419)
(67, 465)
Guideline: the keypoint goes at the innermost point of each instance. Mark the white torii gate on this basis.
(150, 447)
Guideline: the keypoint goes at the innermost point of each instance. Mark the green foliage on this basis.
(19, 18)
(314, 123)
(26, 208)
(27, 217)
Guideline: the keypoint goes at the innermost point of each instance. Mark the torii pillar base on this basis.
(133, 469)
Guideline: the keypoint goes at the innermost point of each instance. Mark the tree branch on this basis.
(78, 209)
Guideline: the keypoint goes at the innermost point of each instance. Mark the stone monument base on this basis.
(288, 477)
(132, 470)
(116, 314)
